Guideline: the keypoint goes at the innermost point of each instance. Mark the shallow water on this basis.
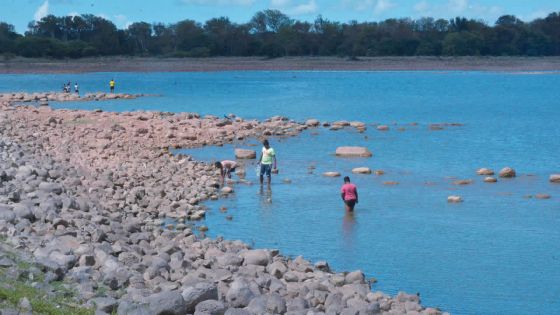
(496, 253)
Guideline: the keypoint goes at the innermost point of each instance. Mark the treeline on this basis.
(272, 33)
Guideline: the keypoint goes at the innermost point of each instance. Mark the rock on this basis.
(6, 213)
(257, 257)
(361, 170)
(239, 294)
(507, 172)
(554, 178)
(390, 183)
(454, 199)
(167, 303)
(322, 265)
(354, 277)
(23, 211)
(245, 154)
(201, 291)
(331, 174)
(485, 171)
(237, 311)
(463, 182)
(50, 188)
(210, 307)
(276, 304)
(490, 179)
(105, 304)
(383, 128)
(312, 123)
(353, 152)
(542, 196)
(379, 172)
(227, 190)
(127, 308)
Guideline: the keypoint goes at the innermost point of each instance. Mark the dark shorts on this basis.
(350, 203)
(232, 170)
(266, 169)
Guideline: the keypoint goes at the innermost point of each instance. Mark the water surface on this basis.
(496, 253)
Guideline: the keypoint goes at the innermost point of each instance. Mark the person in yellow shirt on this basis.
(112, 85)
(268, 157)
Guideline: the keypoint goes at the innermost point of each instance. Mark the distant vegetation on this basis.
(273, 34)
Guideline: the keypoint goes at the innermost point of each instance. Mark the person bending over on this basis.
(349, 194)
(226, 168)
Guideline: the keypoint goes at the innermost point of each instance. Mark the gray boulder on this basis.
(7, 214)
(210, 307)
(258, 257)
(167, 303)
(239, 294)
(201, 291)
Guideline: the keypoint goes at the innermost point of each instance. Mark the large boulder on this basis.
(167, 303)
(245, 154)
(353, 152)
(507, 172)
(201, 291)
(259, 257)
(239, 293)
(555, 178)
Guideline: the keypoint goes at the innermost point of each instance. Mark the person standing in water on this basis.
(76, 88)
(349, 194)
(226, 168)
(112, 85)
(268, 157)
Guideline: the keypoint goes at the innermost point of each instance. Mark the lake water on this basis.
(496, 253)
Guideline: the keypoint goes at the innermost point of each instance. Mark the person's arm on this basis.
(274, 159)
(356, 195)
(342, 196)
(260, 159)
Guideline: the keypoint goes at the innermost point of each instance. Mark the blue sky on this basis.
(124, 12)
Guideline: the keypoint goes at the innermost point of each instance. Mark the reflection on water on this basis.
(348, 225)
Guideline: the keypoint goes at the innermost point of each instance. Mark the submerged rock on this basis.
(331, 174)
(454, 199)
(245, 154)
(361, 170)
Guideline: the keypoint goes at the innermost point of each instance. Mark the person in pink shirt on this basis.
(349, 194)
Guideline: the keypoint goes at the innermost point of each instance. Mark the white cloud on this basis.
(535, 15)
(220, 2)
(383, 5)
(454, 8)
(298, 8)
(378, 7)
(42, 11)
(121, 20)
(422, 6)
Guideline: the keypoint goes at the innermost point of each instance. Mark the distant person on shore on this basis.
(349, 194)
(112, 85)
(267, 161)
(76, 88)
(226, 168)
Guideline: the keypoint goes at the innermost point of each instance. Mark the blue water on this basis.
(496, 253)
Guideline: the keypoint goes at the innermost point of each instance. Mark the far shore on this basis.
(152, 64)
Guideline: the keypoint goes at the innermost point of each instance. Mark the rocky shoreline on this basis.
(43, 98)
(86, 193)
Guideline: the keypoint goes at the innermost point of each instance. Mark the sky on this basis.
(124, 12)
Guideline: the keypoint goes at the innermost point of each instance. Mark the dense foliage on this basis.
(272, 33)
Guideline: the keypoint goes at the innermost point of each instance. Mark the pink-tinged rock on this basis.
(454, 199)
(312, 123)
(555, 178)
(485, 171)
(331, 174)
(490, 179)
(353, 152)
(383, 128)
(245, 154)
(507, 172)
(361, 170)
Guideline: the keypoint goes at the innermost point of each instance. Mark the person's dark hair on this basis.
(218, 164)
(346, 179)
(265, 143)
